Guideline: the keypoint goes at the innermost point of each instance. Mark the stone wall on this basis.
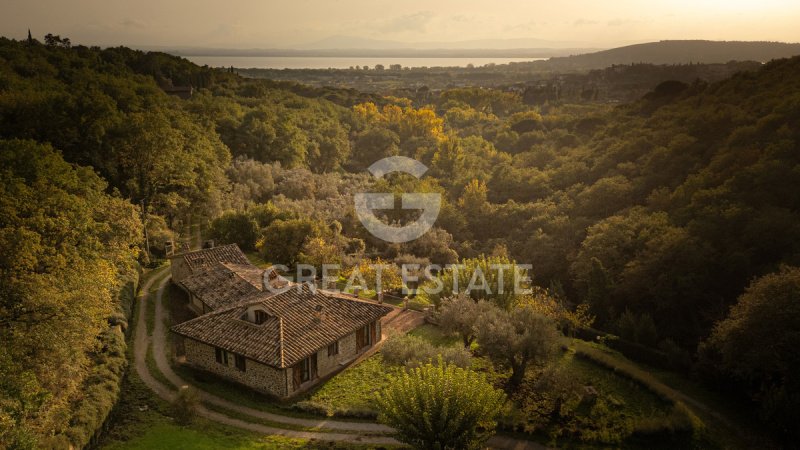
(197, 303)
(179, 269)
(347, 352)
(260, 377)
(327, 366)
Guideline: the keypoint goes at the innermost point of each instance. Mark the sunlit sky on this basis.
(298, 23)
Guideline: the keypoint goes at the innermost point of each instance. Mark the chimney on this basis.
(318, 313)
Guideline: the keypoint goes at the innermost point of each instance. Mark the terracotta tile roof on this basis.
(202, 259)
(224, 284)
(249, 273)
(300, 323)
(218, 286)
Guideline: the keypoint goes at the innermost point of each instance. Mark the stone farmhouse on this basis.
(277, 341)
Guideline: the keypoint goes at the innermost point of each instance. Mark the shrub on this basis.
(677, 357)
(413, 351)
(355, 413)
(184, 407)
(310, 407)
(678, 424)
(441, 406)
(640, 329)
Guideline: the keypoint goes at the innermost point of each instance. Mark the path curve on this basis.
(158, 341)
(142, 341)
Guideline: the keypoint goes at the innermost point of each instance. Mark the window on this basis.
(222, 355)
(308, 368)
(240, 362)
(333, 349)
(305, 370)
(260, 316)
(368, 334)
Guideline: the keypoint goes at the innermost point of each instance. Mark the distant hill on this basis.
(677, 52)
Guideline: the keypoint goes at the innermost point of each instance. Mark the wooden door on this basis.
(359, 338)
(312, 373)
(372, 333)
(297, 375)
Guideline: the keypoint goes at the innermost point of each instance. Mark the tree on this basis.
(64, 243)
(370, 270)
(448, 160)
(757, 345)
(460, 314)
(317, 251)
(516, 339)
(235, 227)
(551, 304)
(266, 213)
(251, 182)
(162, 152)
(375, 144)
(283, 240)
(441, 406)
(638, 328)
(52, 40)
(330, 147)
(492, 278)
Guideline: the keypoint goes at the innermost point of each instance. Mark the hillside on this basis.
(655, 215)
(677, 52)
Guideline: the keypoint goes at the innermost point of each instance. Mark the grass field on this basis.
(354, 388)
(204, 436)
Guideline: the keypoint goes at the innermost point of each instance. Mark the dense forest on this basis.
(673, 219)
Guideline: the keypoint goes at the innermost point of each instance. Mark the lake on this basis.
(341, 62)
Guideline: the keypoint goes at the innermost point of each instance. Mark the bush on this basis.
(678, 425)
(441, 406)
(677, 357)
(413, 351)
(310, 407)
(235, 228)
(640, 353)
(640, 329)
(184, 407)
(356, 413)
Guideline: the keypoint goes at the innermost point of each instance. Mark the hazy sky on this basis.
(290, 23)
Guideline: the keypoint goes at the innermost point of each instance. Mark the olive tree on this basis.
(516, 339)
(460, 314)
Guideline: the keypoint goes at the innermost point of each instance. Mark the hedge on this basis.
(101, 388)
(638, 352)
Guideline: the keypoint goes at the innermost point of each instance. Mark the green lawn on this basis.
(354, 388)
(435, 335)
(204, 436)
